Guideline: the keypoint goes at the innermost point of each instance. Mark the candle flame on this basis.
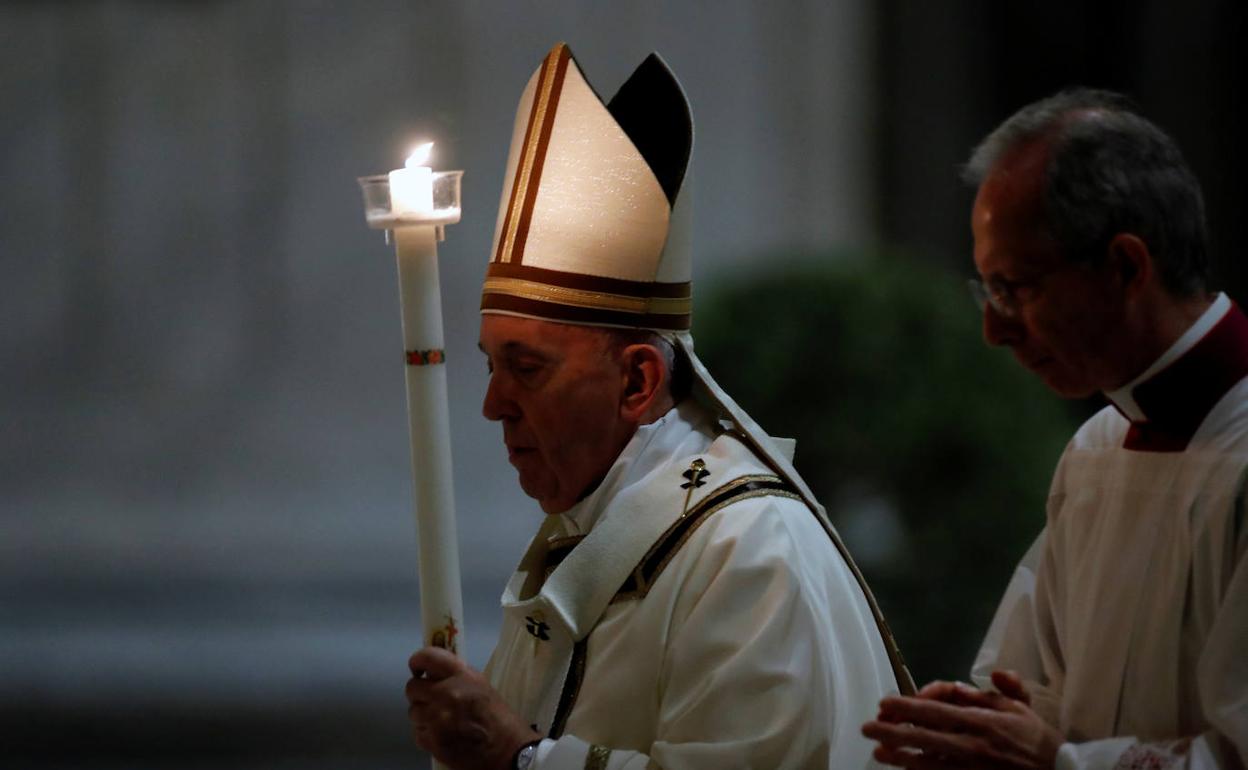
(419, 156)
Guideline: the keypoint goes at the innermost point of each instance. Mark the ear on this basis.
(1131, 262)
(645, 381)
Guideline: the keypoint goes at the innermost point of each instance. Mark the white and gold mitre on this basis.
(592, 226)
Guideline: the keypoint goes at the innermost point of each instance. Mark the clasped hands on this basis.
(953, 725)
(461, 720)
(458, 717)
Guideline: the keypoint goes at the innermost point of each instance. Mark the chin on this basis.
(552, 507)
(550, 504)
(542, 495)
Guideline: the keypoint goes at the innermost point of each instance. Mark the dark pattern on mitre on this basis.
(652, 110)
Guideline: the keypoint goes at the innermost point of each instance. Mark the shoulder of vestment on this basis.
(643, 526)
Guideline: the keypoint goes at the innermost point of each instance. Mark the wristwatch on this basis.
(524, 757)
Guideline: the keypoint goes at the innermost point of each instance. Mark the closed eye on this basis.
(525, 369)
(1012, 288)
(524, 364)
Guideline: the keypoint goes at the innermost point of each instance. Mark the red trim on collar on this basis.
(1178, 398)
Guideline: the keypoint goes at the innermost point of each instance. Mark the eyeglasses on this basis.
(999, 295)
(1008, 297)
(1002, 301)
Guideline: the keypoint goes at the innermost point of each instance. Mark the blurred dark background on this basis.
(206, 547)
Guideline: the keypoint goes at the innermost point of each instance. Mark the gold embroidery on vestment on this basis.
(571, 688)
(597, 757)
(676, 535)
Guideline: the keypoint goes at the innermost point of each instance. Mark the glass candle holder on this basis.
(380, 216)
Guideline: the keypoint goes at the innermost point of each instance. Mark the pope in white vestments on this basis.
(700, 618)
(687, 606)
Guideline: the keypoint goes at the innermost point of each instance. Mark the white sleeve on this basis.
(771, 660)
(1016, 635)
(1222, 678)
(574, 754)
(1011, 638)
(1130, 754)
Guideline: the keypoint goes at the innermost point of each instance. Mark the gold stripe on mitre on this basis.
(585, 299)
(529, 170)
(560, 295)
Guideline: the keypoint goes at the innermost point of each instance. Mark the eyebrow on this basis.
(514, 348)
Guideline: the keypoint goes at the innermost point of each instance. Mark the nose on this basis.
(999, 330)
(497, 405)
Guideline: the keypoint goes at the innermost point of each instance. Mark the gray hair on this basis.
(1109, 170)
(679, 371)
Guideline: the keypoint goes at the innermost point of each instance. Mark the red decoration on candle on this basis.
(425, 357)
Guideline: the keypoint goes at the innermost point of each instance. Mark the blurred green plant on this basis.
(931, 451)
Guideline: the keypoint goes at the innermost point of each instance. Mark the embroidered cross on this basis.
(537, 627)
(695, 473)
(445, 637)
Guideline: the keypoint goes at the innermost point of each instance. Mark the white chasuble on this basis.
(690, 613)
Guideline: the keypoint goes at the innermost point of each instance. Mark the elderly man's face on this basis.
(557, 391)
(1063, 330)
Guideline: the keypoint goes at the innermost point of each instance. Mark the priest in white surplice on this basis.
(1122, 639)
(685, 603)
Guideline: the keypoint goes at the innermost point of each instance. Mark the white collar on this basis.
(1123, 397)
(580, 518)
